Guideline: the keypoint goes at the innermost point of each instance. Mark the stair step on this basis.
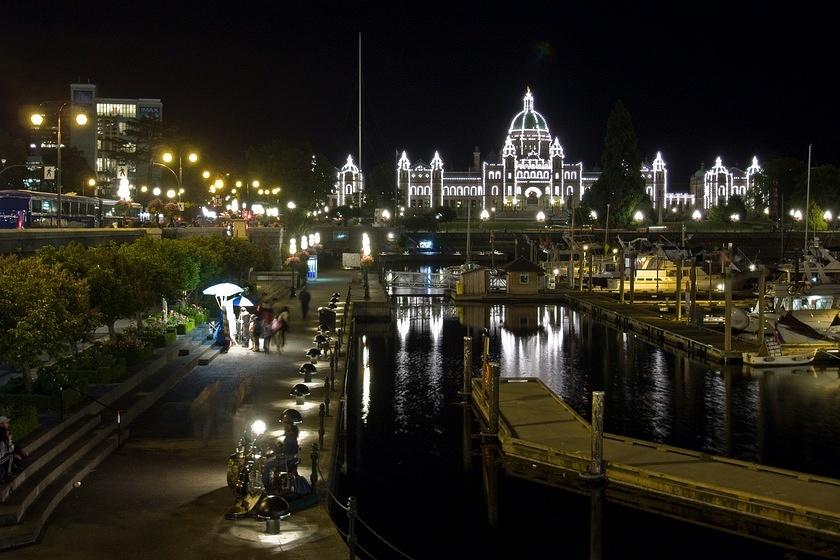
(19, 502)
(61, 442)
(30, 529)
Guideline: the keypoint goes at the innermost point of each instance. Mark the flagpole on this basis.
(808, 198)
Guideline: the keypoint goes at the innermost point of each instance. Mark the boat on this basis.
(771, 355)
(758, 359)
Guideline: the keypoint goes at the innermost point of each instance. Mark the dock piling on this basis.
(467, 365)
(493, 424)
(621, 277)
(761, 290)
(596, 465)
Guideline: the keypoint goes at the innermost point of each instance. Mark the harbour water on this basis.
(405, 459)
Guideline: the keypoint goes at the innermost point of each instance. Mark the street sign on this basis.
(181, 206)
(122, 172)
(49, 172)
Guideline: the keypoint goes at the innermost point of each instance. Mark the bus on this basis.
(22, 209)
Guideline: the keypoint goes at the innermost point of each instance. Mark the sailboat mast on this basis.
(808, 198)
(360, 102)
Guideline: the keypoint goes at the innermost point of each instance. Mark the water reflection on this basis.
(410, 443)
(656, 395)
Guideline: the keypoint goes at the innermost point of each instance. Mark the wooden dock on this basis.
(542, 439)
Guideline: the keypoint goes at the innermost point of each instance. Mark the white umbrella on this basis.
(224, 290)
(242, 301)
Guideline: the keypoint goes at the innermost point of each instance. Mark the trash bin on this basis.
(326, 316)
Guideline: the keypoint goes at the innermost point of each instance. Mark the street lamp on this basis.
(90, 183)
(696, 215)
(606, 228)
(638, 216)
(168, 157)
(541, 216)
(38, 119)
(291, 205)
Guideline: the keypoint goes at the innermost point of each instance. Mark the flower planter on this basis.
(187, 327)
(161, 340)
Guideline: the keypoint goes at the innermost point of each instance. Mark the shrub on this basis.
(24, 419)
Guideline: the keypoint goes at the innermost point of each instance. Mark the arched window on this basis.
(495, 190)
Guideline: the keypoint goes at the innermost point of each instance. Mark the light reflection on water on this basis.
(651, 393)
(407, 459)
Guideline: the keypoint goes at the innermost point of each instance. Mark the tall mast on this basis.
(360, 101)
(808, 199)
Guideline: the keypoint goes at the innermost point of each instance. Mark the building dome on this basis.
(528, 119)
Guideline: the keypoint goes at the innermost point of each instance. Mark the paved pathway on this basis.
(164, 494)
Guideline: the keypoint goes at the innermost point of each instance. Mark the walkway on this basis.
(164, 494)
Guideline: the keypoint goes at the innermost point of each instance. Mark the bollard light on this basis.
(300, 392)
(314, 354)
(291, 416)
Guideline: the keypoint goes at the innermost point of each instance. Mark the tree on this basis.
(620, 184)
(113, 280)
(379, 186)
(40, 305)
(306, 178)
(13, 150)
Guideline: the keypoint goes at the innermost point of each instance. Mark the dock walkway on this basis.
(698, 341)
(543, 439)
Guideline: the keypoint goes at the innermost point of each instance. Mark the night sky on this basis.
(714, 81)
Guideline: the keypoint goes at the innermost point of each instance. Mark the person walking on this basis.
(304, 297)
(245, 318)
(282, 321)
(256, 333)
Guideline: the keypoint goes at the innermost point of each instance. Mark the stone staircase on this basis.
(62, 455)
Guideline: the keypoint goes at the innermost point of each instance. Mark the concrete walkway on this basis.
(164, 494)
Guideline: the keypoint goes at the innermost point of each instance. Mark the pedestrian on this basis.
(304, 298)
(282, 323)
(244, 333)
(256, 333)
(12, 458)
(267, 332)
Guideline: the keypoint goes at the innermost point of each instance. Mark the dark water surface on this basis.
(405, 449)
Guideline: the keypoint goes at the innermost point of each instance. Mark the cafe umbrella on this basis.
(224, 294)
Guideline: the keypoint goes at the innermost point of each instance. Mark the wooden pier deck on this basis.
(543, 439)
(697, 341)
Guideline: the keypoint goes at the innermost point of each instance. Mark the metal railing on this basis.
(354, 521)
(440, 280)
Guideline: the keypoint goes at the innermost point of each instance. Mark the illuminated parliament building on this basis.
(532, 173)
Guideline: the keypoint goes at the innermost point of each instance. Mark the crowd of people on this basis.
(266, 325)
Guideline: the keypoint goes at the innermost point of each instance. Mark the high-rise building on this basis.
(120, 139)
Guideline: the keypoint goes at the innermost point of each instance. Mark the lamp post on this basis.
(365, 253)
(37, 119)
(606, 228)
(167, 157)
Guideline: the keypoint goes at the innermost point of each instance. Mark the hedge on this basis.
(187, 327)
(161, 340)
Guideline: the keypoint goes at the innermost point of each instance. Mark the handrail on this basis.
(94, 399)
(351, 510)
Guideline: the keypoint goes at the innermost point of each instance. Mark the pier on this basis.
(540, 438)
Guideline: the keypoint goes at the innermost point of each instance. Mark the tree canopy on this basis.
(620, 184)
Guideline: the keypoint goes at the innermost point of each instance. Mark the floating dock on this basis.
(542, 439)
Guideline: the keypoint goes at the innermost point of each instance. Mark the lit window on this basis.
(523, 277)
